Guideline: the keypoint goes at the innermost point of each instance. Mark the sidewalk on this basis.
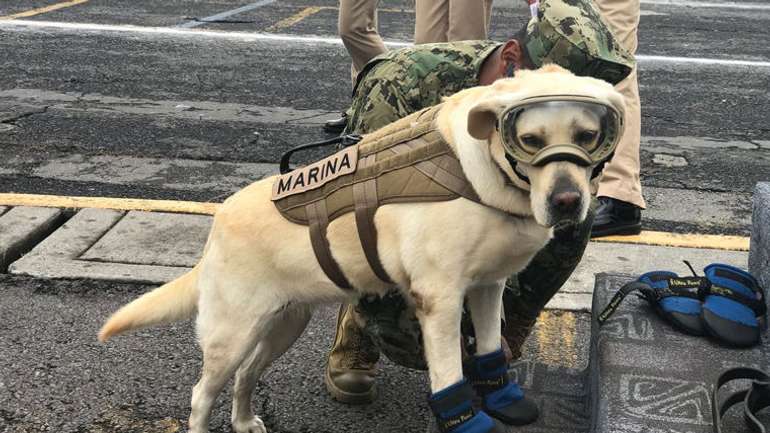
(156, 246)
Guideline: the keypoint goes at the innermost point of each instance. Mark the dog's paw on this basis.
(254, 425)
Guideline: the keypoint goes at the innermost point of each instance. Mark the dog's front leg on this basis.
(439, 316)
(439, 312)
(487, 370)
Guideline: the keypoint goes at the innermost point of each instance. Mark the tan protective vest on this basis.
(405, 162)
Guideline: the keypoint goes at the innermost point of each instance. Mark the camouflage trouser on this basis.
(395, 329)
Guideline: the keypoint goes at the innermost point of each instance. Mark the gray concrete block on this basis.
(22, 227)
(151, 238)
(67, 253)
(759, 256)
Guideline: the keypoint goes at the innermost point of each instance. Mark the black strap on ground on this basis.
(624, 291)
(754, 399)
(342, 140)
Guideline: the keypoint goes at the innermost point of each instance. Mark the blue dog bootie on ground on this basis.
(500, 397)
(734, 307)
(676, 299)
(454, 411)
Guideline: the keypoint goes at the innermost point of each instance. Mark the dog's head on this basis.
(548, 131)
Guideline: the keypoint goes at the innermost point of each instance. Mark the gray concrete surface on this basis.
(759, 257)
(22, 227)
(152, 238)
(59, 255)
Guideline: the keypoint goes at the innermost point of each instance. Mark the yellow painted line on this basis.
(294, 19)
(689, 240)
(175, 206)
(42, 10)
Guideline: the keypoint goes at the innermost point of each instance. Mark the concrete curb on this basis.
(65, 253)
(22, 227)
(759, 256)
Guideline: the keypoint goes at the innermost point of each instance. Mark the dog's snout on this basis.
(565, 201)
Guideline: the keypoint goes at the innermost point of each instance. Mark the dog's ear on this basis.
(482, 119)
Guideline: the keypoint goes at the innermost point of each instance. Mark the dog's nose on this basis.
(566, 201)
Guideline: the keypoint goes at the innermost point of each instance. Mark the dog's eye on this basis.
(585, 137)
(531, 140)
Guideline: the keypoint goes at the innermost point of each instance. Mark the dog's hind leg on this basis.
(228, 331)
(282, 332)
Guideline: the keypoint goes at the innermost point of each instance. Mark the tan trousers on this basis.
(620, 179)
(451, 20)
(357, 27)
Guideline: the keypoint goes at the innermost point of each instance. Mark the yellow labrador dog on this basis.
(528, 146)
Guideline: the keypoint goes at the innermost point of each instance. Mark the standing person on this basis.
(400, 82)
(451, 20)
(620, 190)
(357, 27)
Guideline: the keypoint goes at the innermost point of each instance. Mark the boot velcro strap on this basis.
(488, 373)
(488, 385)
(492, 364)
(452, 406)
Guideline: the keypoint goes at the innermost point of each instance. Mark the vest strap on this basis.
(366, 204)
(318, 219)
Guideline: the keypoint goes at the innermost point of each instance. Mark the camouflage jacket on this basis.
(401, 82)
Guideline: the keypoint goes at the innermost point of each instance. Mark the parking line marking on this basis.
(690, 240)
(248, 36)
(226, 14)
(294, 19)
(42, 10)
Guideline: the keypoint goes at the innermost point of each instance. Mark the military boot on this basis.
(351, 367)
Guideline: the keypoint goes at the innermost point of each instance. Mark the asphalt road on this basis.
(79, 99)
(56, 377)
(91, 106)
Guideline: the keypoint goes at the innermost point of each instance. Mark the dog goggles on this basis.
(585, 147)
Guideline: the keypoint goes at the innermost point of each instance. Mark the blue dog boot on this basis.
(455, 414)
(734, 307)
(500, 397)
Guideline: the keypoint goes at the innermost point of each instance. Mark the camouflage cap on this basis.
(571, 34)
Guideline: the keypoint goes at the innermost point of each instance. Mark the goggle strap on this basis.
(512, 161)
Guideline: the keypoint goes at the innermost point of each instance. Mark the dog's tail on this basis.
(176, 300)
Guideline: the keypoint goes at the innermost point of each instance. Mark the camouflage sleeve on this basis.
(377, 102)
